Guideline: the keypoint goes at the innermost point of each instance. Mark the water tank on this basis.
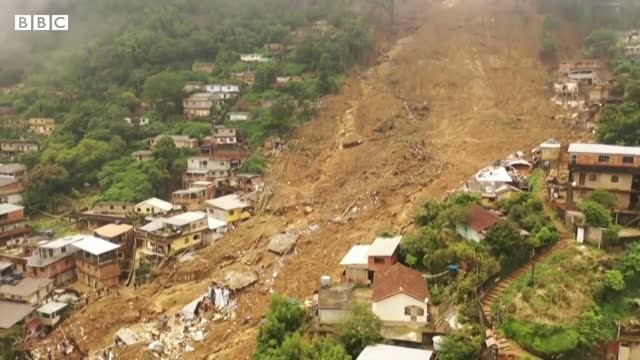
(453, 269)
(437, 343)
(325, 281)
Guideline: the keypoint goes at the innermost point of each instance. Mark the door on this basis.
(580, 235)
(582, 179)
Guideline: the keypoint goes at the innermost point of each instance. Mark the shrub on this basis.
(595, 214)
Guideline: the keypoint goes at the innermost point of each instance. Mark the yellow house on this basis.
(168, 235)
(229, 208)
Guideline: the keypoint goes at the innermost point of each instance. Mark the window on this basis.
(63, 249)
(420, 311)
(627, 159)
(378, 260)
(603, 159)
(593, 177)
(614, 179)
(124, 207)
(186, 240)
(111, 207)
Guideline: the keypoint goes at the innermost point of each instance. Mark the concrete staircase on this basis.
(508, 347)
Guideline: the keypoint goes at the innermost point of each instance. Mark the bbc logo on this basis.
(41, 22)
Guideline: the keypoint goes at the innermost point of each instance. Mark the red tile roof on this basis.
(399, 279)
(481, 219)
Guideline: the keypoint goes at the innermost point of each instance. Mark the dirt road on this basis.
(463, 90)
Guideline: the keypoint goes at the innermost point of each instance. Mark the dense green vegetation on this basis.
(140, 69)
(574, 303)
(281, 335)
(437, 244)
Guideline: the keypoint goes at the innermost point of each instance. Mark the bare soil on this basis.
(462, 89)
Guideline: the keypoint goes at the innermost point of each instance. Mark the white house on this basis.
(356, 264)
(51, 313)
(238, 116)
(227, 91)
(480, 220)
(153, 207)
(254, 58)
(400, 294)
(386, 352)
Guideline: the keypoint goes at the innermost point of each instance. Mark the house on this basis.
(229, 208)
(137, 121)
(13, 224)
(629, 37)
(248, 77)
(120, 234)
(608, 167)
(142, 155)
(195, 196)
(10, 190)
(223, 135)
(284, 80)
(356, 264)
(205, 68)
(627, 343)
(334, 303)
(254, 58)
(168, 235)
(599, 93)
(246, 182)
(566, 67)
(14, 170)
(104, 213)
(97, 262)
(585, 76)
(194, 86)
(154, 207)
(550, 152)
(207, 168)
(386, 352)
(274, 48)
(226, 92)
(479, 221)
(13, 313)
(631, 51)
(199, 105)
(383, 253)
(321, 26)
(51, 313)
(12, 147)
(181, 141)
(490, 192)
(493, 174)
(234, 116)
(54, 260)
(30, 291)
(42, 126)
(216, 229)
(567, 88)
(400, 294)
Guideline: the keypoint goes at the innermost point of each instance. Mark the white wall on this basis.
(332, 316)
(392, 308)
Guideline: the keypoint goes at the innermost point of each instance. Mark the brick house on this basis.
(14, 170)
(10, 190)
(195, 196)
(383, 253)
(97, 262)
(54, 260)
(13, 223)
(608, 167)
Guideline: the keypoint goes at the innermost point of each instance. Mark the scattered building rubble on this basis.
(237, 280)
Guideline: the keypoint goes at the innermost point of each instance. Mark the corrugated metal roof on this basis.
(158, 203)
(185, 218)
(357, 255)
(604, 149)
(386, 352)
(95, 246)
(228, 202)
(384, 246)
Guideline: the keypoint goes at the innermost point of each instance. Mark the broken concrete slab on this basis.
(126, 336)
(236, 280)
(284, 242)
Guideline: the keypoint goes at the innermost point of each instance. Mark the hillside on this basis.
(462, 90)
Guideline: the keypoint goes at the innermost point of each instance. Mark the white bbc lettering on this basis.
(22, 22)
(59, 22)
(41, 23)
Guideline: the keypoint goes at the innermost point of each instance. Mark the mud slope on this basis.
(461, 91)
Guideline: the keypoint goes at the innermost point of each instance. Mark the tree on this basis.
(326, 349)
(603, 197)
(595, 214)
(503, 237)
(630, 265)
(614, 280)
(45, 180)
(284, 318)
(466, 344)
(428, 212)
(600, 42)
(362, 328)
(254, 164)
(164, 87)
